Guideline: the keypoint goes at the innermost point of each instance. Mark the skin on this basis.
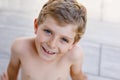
(50, 55)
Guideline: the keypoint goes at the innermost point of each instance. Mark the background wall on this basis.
(105, 10)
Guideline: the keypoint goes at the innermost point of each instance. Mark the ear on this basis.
(35, 25)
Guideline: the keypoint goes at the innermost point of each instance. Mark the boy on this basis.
(53, 53)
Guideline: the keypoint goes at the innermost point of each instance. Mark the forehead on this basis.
(66, 29)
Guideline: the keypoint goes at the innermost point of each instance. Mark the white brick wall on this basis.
(32, 7)
(93, 8)
(106, 10)
(111, 10)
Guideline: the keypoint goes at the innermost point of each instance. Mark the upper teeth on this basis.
(49, 52)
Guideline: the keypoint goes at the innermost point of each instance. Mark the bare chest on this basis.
(34, 70)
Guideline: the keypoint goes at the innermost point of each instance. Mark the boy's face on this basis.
(52, 40)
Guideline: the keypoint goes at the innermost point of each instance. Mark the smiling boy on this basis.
(53, 54)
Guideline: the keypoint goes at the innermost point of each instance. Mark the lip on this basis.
(47, 52)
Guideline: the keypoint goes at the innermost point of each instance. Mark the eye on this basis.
(47, 31)
(65, 40)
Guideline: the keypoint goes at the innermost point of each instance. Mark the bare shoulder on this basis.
(19, 45)
(77, 62)
(76, 53)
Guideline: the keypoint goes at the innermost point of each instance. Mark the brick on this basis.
(111, 62)
(91, 60)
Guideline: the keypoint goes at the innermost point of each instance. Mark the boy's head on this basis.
(65, 12)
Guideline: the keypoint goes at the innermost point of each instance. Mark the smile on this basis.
(47, 51)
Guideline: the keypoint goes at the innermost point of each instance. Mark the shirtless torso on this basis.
(34, 68)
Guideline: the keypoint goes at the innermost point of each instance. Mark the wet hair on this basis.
(66, 12)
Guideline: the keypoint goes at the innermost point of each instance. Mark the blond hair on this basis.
(66, 12)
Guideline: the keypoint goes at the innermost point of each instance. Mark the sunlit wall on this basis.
(104, 10)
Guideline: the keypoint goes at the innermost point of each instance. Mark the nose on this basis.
(52, 42)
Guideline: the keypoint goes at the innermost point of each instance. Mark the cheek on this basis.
(64, 48)
(41, 37)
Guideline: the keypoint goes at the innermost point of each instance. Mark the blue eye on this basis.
(47, 31)
(65, 40)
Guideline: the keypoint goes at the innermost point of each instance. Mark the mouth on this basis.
(47, 51)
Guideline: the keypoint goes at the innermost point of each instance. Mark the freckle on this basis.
(59, 78)
(28, 76)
